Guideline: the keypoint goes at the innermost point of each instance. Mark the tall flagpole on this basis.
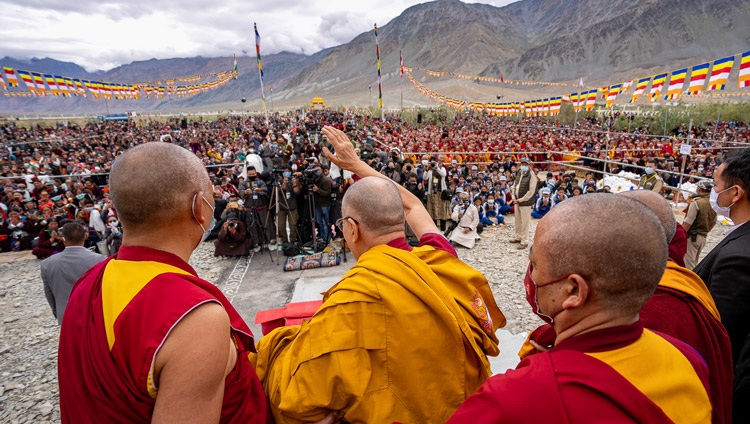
(236, 77)
(401, 76)
(260, 70)
(380, 84)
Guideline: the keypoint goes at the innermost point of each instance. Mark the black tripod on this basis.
(274, 200)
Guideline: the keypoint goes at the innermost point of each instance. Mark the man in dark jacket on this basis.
(726, 270)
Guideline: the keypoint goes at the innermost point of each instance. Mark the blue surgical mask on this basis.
(287, 174)
(524, 168)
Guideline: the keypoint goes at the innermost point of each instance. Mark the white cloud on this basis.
(107, 33)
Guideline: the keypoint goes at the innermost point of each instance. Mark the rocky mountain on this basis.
(548, 40)
(626, 35)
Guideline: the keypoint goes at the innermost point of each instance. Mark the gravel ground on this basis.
(29, 333)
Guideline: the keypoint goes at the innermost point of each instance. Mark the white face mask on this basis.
(714, 199)
(206, 232)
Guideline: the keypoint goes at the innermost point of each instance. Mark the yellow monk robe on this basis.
(403, 337)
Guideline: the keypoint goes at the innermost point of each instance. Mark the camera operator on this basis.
(391, 172)
(256, 206)
(290, 189)
(232, 240)
(321, 186)
(414, 186)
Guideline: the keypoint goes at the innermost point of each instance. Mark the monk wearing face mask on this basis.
(602, 366)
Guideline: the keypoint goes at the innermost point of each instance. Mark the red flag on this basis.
(502, 79)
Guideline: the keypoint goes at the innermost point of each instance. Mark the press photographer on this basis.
(321, 190)
(232, 240)
(256, 209)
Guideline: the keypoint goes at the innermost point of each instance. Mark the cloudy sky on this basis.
(102, 34)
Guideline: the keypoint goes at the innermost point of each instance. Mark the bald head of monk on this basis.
(374, 214)
(162, 195)
(613, 264)
(659, 206)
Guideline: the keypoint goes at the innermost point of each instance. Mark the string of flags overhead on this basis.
(706, 80)
(25, 83)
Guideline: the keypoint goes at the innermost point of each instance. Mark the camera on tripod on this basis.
(310, 177)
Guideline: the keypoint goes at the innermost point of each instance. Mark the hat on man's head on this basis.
(705, 185)
(545, 191)
(503, 178)
(474, 168)
(231, 215)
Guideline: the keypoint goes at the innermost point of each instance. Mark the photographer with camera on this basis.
(256, 206)
(287, 213)
(232, 240)
(321, 189)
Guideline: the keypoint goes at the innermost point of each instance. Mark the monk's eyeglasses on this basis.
(340, 222)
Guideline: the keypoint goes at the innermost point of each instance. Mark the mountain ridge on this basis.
(543, 40)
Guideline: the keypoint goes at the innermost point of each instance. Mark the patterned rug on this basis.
(318, 260)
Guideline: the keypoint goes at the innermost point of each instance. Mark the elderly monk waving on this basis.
(403, 337)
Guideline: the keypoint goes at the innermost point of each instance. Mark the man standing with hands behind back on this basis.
(524, 191)
(60, 271)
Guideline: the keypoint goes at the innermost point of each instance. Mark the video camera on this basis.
(310, 177)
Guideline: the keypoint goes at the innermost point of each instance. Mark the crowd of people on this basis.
(60, 173)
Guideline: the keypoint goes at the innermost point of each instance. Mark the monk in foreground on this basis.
(402, 337)
(603, 365)
(144, 339)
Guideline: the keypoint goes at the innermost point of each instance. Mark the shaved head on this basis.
(154, 183)
(376, 204)
(658, 206)
(622, 252)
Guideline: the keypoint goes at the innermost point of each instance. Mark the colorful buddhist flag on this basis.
(720, 73)
(260, 67)
(657, 85)
(555, 105)
(591, 100)
(605, 92)
(52, 84)
(3, 85)
(28, 80)
(743, 80)
(676, 82)
(612, 95)
(640, 88)
(10, 75)
(698, 79)
(79, 88)
(39, 83)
